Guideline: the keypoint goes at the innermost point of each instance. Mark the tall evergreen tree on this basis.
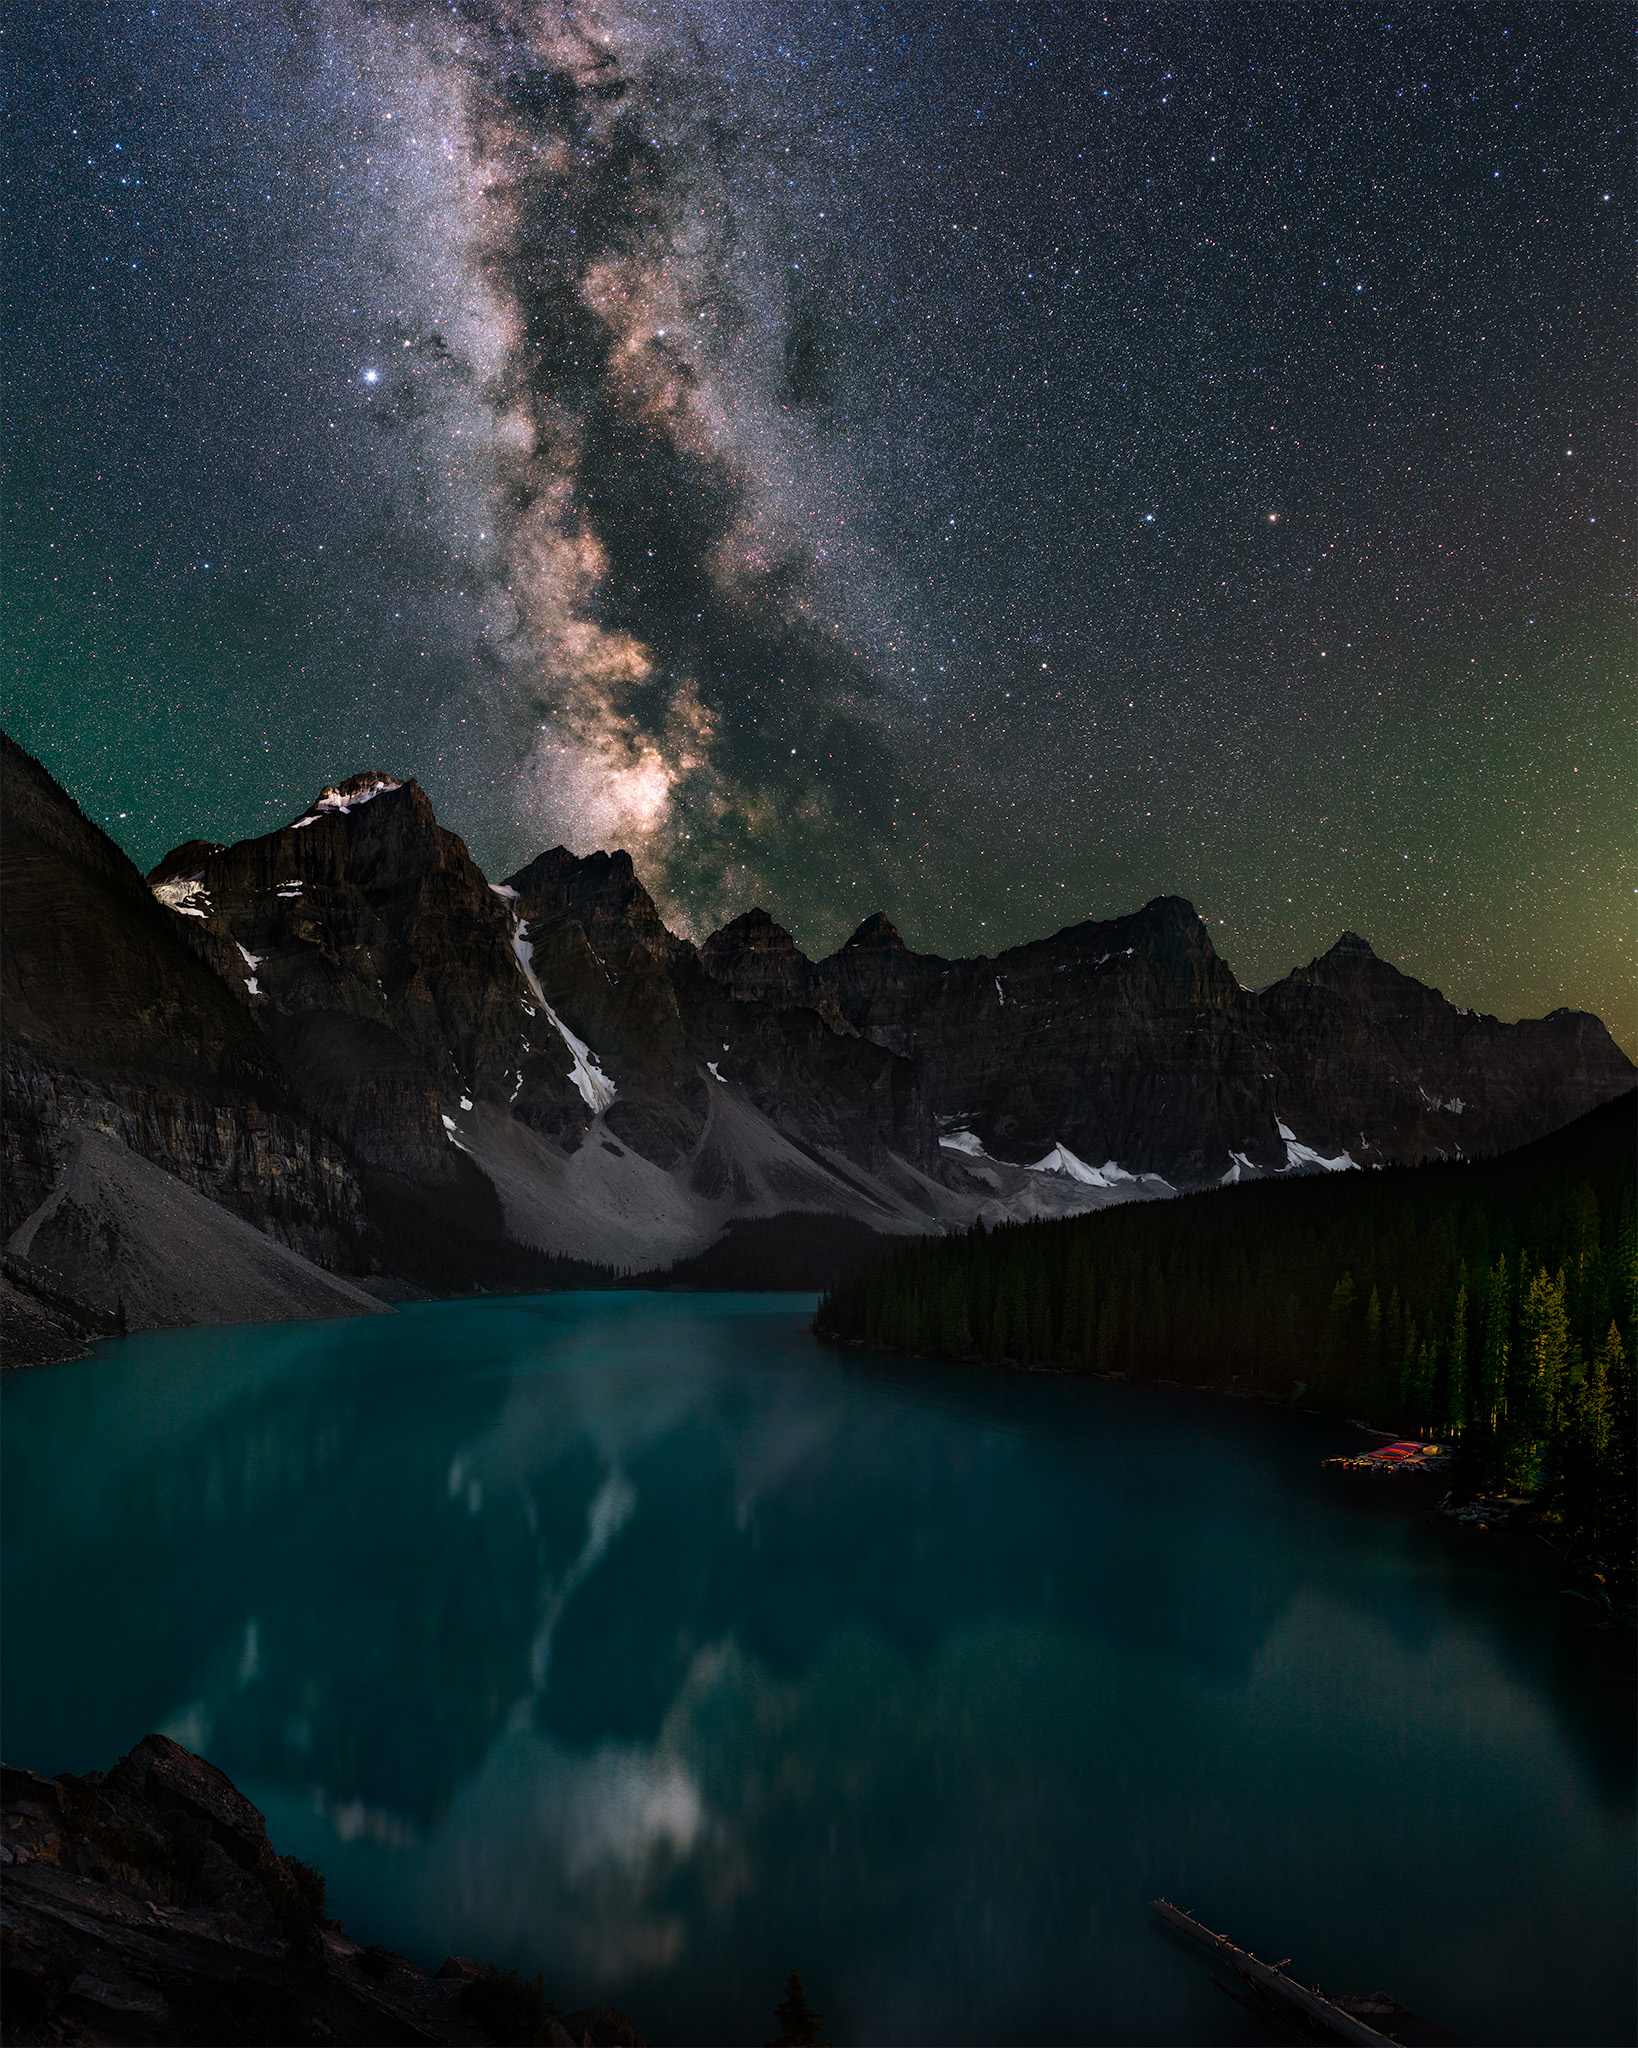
(1456, 1359)
(799, 2024)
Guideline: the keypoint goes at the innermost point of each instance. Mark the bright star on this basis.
(372, 376)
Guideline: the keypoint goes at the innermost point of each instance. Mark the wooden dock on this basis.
(1272, 1989)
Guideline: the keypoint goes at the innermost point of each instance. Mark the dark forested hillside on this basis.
(1489, 1304)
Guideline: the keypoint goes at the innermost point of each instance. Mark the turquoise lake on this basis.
(642, 1641)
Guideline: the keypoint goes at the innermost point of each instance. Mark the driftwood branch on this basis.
(1341, 2023)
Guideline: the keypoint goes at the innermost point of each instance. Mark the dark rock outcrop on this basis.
(147, 1905)
(485, 1051)
(1383, 1065)
(1131, 1040)
(421, 1010)
(759, 961)
(376, 959)
(42, 1323)
(1123, 1041)
(662, 1015)
(110, 1020)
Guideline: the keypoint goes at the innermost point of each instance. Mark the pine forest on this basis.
(1487, 1304)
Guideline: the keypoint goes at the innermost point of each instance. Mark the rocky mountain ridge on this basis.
(1130, 1039)
(109, 1022)
(475, 1075)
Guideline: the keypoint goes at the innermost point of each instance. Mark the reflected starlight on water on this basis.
(635, 1639)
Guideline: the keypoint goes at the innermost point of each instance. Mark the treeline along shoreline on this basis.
(1489, 1304)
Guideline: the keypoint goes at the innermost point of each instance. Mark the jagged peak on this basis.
(1352, 943)
(1164, 923)
(754, 930)
(1171, 914)
(876, 934)
(371, 781)
(557, 868)
(602, 890)
(183, 861)
(1172, 909)
(338, 798)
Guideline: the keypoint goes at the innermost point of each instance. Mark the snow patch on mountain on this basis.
(332, 803)
(186, 895)
(1061, 1160)
(597, 1091)
(1299, 1155)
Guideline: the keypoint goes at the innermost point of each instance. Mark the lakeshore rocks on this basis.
(147, 1905)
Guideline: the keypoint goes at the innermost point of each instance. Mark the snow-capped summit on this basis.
(348, 796)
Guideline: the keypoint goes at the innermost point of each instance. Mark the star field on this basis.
(995, 464)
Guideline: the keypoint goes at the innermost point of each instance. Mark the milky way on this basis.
(593, 343)
(997, 464)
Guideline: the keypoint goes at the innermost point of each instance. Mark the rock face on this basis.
(1379, 1062)
(372, 953)
(573, 1030)
(1131, 1041)
(345, 1032)
(118, 1234)
(148, 1905)
(111, 1021)
(759, 960)
(664, 1016)
(540, 1053)
(1124, 1041)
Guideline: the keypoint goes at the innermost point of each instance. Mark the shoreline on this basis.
(1506, 1529)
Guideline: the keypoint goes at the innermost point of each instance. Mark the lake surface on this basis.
(639, 1640)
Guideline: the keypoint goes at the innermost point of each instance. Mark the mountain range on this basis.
(313, 1070)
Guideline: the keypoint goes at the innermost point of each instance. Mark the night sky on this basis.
(994, 463)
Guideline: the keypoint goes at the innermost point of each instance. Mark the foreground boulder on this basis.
(148, 1905)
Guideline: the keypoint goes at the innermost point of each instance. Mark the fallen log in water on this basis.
(1340, 2023)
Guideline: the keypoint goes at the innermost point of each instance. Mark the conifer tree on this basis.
(1624, 1277)
(1494, 1366)
(1615, 1361)
(1491, 1303)
(1586, 1446)
(1541, 1367)
(1338, 1322)
(799, 2024)
(1456, 1362)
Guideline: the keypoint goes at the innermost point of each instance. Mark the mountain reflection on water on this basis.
(635, 1639)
